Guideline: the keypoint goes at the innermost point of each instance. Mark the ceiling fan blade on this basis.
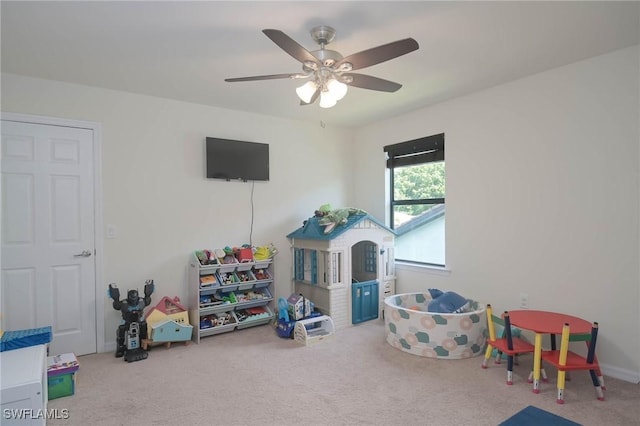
(372, 83)
(290, 46)
(264, 77)
(313, 98)
(379, 54)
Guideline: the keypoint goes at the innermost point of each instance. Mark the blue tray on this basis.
(23, 338)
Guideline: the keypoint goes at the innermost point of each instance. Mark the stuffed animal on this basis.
(447, 302)
(332, 218)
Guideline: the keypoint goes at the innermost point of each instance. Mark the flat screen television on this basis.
(237, 160)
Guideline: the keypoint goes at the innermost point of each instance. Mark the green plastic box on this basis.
(61, 385)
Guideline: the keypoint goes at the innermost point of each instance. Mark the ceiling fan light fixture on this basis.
(337, 89)
(327, 100)
(306, 91)
(329, 72)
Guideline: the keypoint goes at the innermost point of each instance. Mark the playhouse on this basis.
(168, 321)
(346, 269)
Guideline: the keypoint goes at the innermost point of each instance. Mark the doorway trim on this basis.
(97, 203)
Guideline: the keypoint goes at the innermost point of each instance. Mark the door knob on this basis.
(85, 253)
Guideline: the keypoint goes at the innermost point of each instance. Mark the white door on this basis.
(48, 247)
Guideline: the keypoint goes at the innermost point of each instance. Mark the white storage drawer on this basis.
(24, 385)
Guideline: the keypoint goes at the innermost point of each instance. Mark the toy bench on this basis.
(313, 330)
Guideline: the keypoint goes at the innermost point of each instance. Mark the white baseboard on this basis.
(110, 346)
(620, 373)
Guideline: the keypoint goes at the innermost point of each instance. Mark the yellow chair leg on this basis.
(561, 380)
(537, 362)
(487, 355)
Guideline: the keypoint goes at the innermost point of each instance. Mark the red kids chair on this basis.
(507, 344)
(565, 360)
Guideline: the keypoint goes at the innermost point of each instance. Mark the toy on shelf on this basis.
(216, 320)
(228, 256)
(252, 314)
(208, 280)
(261, 274)
(206, 257)
(133, 327)
(227, 278)
(244, 253)
(249, 296)
(230, 298)
(209, 300)
(265, 252)
(245, 276)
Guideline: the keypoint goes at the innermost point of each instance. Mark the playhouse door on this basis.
(364, 301)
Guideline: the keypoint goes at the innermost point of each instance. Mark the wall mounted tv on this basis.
(237, 160)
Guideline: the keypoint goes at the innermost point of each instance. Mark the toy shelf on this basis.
(217, 288)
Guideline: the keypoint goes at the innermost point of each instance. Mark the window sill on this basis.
(322, 286)
(430, 269)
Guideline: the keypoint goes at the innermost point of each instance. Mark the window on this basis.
(417, 198)
(306, 265)
(370, 258)
(324, 269)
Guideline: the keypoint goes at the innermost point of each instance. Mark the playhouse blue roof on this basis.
(312, 230)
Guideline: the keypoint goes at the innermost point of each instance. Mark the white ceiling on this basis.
(185, 50)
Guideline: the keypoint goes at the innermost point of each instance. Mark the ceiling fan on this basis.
(328, 72)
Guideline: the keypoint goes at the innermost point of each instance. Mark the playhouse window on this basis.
(370, 258)
(298, 259)
(306, 265)
(313, 263)
(389, 262)
(417, 199)
(333, 267)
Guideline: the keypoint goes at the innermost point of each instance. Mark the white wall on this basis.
(542, 196)
(155, 193)
(542, 189)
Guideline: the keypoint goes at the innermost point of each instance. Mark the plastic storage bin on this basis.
(61, 371)
(210, 324)
(61, 385)
(251, 318)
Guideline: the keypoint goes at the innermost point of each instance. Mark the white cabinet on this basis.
(24, 386)
(227, 297)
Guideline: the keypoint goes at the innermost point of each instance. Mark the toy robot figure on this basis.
(133, 327)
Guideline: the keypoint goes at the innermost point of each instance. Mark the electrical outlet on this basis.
(524, 300)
